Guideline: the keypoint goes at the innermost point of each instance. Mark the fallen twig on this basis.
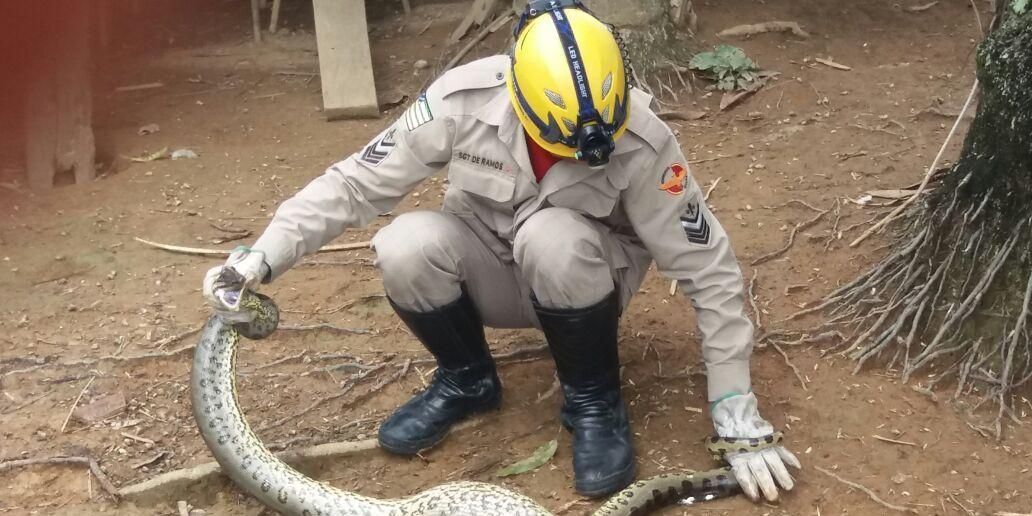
(808, 339)
(217, 252)
(60, 277)
(791, 237)
(354, 381)
(89, 462)
(712, 187)
(799, 376)
(339, 308)
(76, 403)
(326, 326)
(867, 491)
(14, 409)
(481, 36)
(714, 158)
(677, 115)
(139, 87)
(928, 175)
(176, 338)
(805, 204)
(922, 7)
(282, 360)
(184, 478)
(893, 441)
(112, 358)
(548, 393)
(752, 300)
(832, 64)
(760, 28)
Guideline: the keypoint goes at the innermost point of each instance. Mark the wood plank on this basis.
(345, 62)
(479, 13)
(483, 10)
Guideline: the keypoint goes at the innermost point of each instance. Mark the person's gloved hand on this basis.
(244, 270)
(737, 417)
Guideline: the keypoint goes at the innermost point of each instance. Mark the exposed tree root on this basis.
(920, 305)
(89, 462)
(951, 302)
(867, 491)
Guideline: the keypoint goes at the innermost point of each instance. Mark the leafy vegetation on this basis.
(540, 456)
(728, 66)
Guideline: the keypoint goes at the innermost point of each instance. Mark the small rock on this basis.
(198, 512)
(184, 154)
(148, 129)
(421, 64)
(899, 478)
(100, 408)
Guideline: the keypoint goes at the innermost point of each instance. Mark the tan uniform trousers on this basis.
(565, 259)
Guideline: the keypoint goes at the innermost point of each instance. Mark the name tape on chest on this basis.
(418, 113)
(482, 161)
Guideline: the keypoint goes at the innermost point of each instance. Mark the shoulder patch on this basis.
(674, 180)
(380, 148)
(418, 113)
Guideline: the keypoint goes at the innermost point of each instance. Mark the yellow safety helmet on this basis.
(568, 82)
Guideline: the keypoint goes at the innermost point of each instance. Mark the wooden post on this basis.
(59, 103)
(345, 62)
(274, 21)
(256, 20)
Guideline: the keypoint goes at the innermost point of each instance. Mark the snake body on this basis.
(246, 460)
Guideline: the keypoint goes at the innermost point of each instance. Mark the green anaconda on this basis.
(258, 472)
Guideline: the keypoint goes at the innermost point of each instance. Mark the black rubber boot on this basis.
(583, 344)
(465, 382)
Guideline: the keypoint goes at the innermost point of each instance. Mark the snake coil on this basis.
(253, 468)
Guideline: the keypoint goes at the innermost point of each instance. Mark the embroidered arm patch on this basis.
(694, 224)
(376, 152)
(418, 113)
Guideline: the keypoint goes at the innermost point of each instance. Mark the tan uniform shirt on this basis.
(465, 121)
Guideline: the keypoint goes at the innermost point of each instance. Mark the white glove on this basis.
(244, 270)
(737, 416)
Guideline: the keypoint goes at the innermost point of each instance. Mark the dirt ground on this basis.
(77, 287)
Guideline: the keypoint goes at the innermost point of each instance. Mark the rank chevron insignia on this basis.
(695, 226)
(378, 151)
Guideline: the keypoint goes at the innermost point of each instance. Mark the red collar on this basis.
(541, 160)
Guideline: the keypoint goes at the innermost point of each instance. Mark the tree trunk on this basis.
(59, 103)
(954, 298)
(652, 40)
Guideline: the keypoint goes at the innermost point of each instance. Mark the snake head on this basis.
(229, 287)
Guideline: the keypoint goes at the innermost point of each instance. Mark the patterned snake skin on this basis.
(258, 472)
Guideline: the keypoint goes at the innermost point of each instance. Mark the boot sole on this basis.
(608, 486)
(414, 447)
